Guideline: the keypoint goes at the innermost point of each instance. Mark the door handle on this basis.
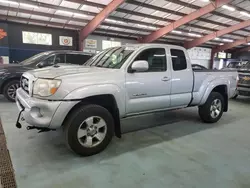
(165, 79)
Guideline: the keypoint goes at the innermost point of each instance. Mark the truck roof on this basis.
(68, 51)
(151, 44)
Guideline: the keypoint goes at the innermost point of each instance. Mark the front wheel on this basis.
(9, 90)
(89, 129)
(212, 110)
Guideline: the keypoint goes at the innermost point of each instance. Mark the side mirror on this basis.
(41, 64)
(139, 66)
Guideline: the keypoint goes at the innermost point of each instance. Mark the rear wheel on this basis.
(89, 129)
(9, 90)
(212, 110)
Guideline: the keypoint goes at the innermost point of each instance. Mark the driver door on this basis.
(149, 90)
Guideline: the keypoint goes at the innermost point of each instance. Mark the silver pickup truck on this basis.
(89, 101)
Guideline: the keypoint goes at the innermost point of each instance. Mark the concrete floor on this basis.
(182, 152)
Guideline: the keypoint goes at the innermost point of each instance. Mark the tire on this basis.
(9, 90)
(79, 123)
(209, 111)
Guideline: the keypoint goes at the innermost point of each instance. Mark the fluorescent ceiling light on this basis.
(174, 31)
(152, 27)
(221, 44)
(248, 43)
(121, 22)
(228, 7)
(64, 12)
(79, 15)
(28, 5)
(110, 20)
(156, 12)
(227, 40)
(140, 25)
(10, 2)
(194, 35)
(245, 13)
(217, 38)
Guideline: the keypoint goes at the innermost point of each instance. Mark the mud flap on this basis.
(18, 124)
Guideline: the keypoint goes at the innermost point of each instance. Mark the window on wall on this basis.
(36, 38)
(109, 44)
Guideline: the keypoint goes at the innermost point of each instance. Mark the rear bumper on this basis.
(42, 113)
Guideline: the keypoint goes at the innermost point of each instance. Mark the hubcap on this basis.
(92, 131)
(12, 91)
(215, 108)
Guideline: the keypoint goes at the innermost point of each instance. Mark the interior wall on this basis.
(200, 56)
(19, 51)
(99, 40)
(242, 56)
(4, 44)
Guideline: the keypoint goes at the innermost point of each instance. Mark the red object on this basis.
(243, 49)
(98, 19)
(232, 44)
(190, 17)
(211, 36)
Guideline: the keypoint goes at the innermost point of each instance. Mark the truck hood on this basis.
(64, 70)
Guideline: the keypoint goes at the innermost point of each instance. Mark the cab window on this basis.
(179, 61)
(156, 58)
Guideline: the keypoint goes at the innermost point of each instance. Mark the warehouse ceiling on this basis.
(134, 18)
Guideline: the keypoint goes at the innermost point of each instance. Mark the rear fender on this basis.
(213, 84)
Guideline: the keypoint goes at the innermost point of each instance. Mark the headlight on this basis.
(45, 87)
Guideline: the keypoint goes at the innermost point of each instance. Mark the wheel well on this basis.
(107, 101)
(6, 82)
(222, 89)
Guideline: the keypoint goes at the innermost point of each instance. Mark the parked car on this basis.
(10, 74)
(89, 101)
(243, 86)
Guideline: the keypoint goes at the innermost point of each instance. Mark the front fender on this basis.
(205, 92)
(100, 89)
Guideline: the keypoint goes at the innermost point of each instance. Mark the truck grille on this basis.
(244, 79)
(25, 84)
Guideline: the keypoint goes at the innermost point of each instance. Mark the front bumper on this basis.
(42, 113)
(244, 91)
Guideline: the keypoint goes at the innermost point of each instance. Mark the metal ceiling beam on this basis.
(192, 16)
(189, 5)
(14, 18)
(122, 10)
(183, 14)
(105, 24)
(86, 21)
(212, 36)
(108, 33)
(45, 5)
(99, 18)
(89, 13)
(246, 49)
(231, 45)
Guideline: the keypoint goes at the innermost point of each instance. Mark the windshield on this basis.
(112, 58)
(234, 65)
(246, 66)
(34, 58)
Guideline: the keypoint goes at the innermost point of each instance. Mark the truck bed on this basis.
(202, 78)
